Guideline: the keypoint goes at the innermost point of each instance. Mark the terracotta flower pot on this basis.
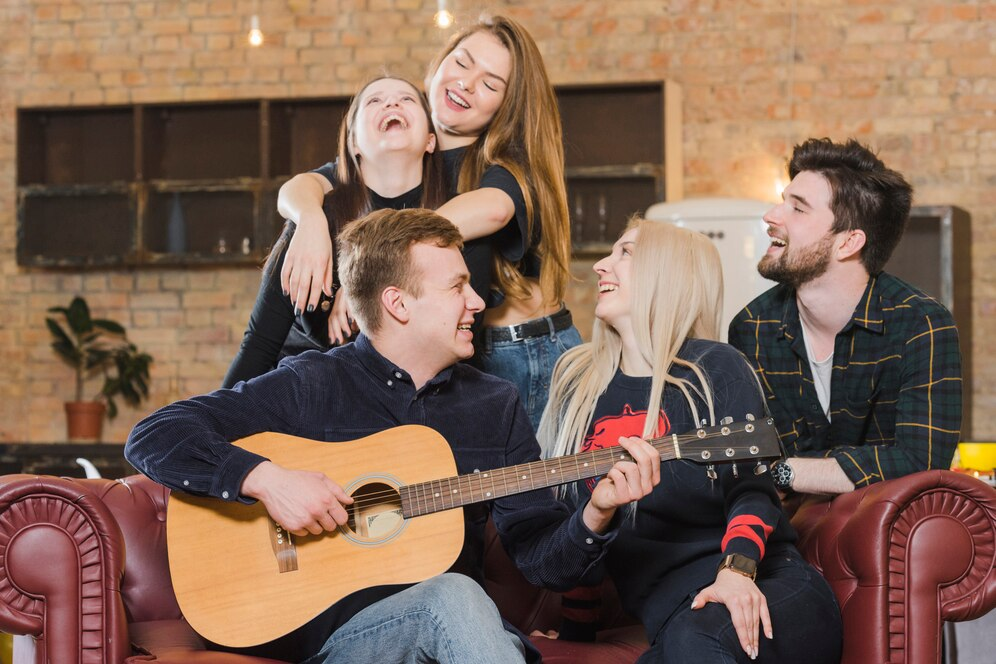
(84, 420)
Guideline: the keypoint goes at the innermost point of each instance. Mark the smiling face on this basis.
(468, 87)
(615, 286)
(442, 313)
(389, 117)
(802, 244)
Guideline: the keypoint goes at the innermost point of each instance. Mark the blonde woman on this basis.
(709, 566)
(498, 126)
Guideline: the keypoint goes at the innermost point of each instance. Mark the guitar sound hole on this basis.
(376, 512)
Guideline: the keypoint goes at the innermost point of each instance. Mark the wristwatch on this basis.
(740, 564)
(782, 475)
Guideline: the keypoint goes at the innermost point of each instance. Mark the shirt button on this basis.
(186, 482)
(814, 407)
(224, 494)
(589, 541)
(390, 383)
(397, 374)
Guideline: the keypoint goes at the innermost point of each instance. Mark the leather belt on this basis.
(538, 327)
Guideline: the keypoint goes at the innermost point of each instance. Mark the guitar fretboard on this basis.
(452, 492)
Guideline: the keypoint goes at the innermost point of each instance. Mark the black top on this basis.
(672, 548)
(274, 331)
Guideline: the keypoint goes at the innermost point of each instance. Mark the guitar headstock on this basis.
(748, 440)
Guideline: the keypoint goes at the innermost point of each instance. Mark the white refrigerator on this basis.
(736, 228)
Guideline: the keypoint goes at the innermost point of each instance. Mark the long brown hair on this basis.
(525, 137)
(350, 198)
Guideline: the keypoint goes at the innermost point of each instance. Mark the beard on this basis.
(795, 270)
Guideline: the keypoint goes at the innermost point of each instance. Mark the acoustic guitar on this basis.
(241, 580)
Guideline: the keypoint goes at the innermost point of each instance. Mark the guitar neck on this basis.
(452, 492)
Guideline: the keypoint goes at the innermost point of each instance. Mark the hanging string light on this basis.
(255, 36)
(443, 18)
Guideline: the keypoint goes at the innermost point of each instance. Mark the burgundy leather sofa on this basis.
(83, 572)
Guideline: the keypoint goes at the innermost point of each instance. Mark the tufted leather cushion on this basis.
(902, 556)
(917, 550)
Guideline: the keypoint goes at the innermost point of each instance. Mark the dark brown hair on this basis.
(865, 195)
(350, 198)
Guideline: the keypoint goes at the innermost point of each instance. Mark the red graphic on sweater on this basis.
(609, 429)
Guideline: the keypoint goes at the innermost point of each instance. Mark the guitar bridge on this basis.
(284, 549)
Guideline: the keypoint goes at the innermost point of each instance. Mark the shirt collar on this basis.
(868, 313)
(388, 371)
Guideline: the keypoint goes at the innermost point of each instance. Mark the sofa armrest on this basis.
(61, 562)
(918, 550)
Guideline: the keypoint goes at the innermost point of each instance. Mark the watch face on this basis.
(781, 475)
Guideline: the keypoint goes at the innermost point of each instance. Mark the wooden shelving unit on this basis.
(189, 184)
(622, 148)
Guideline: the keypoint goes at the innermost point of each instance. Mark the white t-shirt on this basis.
(822, 369)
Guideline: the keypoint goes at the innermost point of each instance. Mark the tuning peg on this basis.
(711, 472)
(761, 468)
(749, 417)
(726, 421)
(736, 473)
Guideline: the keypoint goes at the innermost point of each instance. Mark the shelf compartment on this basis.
(77, 146)
(184, 223)
(304, 134)
(595, 133)
(600, 207)
(201, 142)
(75, 226)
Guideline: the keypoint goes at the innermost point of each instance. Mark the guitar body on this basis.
(225, 558)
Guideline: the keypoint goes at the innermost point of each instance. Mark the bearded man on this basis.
(861, 370)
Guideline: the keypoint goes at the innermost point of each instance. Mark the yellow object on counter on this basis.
(977, 456)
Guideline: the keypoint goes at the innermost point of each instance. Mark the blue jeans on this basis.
(447, 619)
(528, 364)
(805, 622)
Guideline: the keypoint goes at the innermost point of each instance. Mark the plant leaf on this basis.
(78, 316)
(109, 326)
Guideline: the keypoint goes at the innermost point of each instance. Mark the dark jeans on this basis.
(805, 622)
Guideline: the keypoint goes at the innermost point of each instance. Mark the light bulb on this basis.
(255, 34)
(443, 19)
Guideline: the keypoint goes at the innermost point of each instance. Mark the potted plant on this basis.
(97, 347)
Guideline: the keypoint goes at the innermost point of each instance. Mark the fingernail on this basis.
(286, 293)
(297, 312)
(311, 308)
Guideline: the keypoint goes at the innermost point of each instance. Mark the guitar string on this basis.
(598, 456)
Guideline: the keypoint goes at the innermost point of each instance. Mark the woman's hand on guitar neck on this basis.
(300, 501)
(626, 482)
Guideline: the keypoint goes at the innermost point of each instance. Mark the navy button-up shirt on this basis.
(350, 392)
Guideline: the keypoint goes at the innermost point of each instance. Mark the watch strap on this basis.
(740, 564)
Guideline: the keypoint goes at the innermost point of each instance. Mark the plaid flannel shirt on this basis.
(895, 389)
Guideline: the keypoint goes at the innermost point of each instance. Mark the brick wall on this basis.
(915, 79)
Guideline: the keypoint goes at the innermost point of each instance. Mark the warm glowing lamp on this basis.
(255, 34)
(443, 18)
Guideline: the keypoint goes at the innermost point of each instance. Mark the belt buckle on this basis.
(514, 331)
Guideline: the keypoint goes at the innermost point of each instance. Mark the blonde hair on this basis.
(677, 293)
(526, 138)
